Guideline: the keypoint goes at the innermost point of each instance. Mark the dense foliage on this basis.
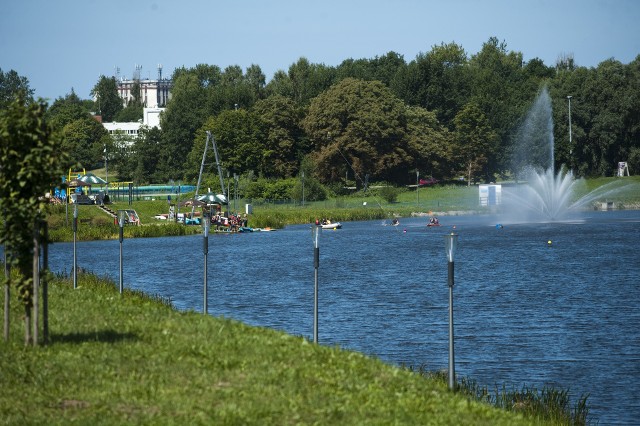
(30, 163)
(444, 114)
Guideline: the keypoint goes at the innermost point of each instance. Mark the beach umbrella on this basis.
(191, 202)
(76, 183)
(211, 198)
(92, 179)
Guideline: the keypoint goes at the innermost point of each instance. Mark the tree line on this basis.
(444, 114)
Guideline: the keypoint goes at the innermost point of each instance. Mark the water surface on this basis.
(526, 312)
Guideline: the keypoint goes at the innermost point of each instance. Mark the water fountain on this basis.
(546, 195)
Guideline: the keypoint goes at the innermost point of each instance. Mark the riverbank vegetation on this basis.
(383, 203)
(132, 358)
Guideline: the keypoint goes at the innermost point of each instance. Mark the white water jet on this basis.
(546, 195)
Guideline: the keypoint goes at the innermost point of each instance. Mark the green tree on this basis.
(358, 126)
(631, 116)
(65, 110)
(108, 102)
(130, 114)
(309, 80)
(570, 83)
(84, 141)
(313, 189)
(382, 68)
(120, 149)
(496, 81)
(474, 139)
(430, 143)
(30, 163)
(11, 84)
(186, 112)
(444, 81)
(238, 136)
(280, 84)
(282, 147)
(606, 91)
(147, 149)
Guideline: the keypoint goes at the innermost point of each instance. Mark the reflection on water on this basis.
(526, 312)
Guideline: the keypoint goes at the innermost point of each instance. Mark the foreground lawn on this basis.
(133, 360)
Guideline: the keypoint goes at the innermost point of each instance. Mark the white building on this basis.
(151, 118)
(153, 93)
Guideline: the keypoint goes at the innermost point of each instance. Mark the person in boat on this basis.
(395, 221)
(434, 221)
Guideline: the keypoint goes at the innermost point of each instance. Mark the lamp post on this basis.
(121, 217)
(235, 192)
(303, 189)
(205, 251)
(570, 142)
(450, 243)
(75, 253)
(417, 187)
(106, 169)
(316, 264)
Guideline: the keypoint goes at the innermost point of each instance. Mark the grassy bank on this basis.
(444, 199)
(133, 359)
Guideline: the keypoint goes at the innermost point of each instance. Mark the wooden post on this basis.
(36, 280)
(45, 284)
(7, 294)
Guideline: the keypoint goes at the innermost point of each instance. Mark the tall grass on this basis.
(547, 404)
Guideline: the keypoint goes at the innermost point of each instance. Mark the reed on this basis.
(548, 404)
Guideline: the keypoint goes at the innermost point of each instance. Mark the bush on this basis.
(389, 193)
(313, 190)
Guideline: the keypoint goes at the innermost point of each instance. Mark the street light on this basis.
(235, 192)
(570, 143)
(121, 217)
(303, 189)
(316, 264)
(75, 253)
(417, 187)
(205, 251)
(106, 169)
(450, 243)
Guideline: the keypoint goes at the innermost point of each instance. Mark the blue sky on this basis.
(64, 44)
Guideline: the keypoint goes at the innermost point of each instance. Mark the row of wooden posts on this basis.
(32, 316)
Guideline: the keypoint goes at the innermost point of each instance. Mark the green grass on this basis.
(132, 359)
(440, 199)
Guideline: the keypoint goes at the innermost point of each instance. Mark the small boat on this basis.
(333, 225)
(433, 222)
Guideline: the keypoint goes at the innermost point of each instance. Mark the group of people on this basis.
(231, 223)
(434, 221)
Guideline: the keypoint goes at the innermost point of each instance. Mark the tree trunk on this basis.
(27, 325)
(7, 293)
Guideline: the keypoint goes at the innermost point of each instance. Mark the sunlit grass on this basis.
(132, 359)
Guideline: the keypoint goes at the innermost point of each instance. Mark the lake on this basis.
(526, 312)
